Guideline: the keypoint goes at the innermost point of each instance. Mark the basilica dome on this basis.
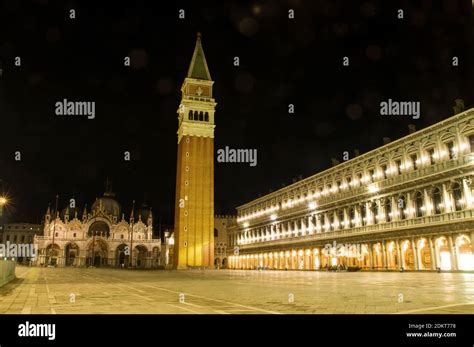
(107, 204)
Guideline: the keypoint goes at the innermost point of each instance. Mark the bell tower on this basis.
(194, 210)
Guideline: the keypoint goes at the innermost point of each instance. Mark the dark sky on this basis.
(282, 61)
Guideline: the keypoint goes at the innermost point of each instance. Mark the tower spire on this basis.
(198, 68)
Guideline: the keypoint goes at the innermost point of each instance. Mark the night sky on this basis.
(282, 61)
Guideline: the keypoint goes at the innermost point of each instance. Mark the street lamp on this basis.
(54, 231)
(3, 202)
(130, 256)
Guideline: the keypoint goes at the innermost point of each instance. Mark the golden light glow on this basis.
(3, 200)
(373, 189)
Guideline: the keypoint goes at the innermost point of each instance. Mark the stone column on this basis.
(414, 249)
(371, 258)
(467, 194)
(303, 226)
(402, 256)
(319, 223)
(347, 223)
(384, 255)
(432, 254)
(370, 216)
(380, 217)
(428, 202)
(409, 206)
(395, 215)
(472, 242)
(310, 224)
(447, 203)
(452, 250)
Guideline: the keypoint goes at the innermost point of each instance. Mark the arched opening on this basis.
(140, 255)
(444, 253)
(52, 254)
(190, 115)
(340, 218)
(457, 196)
(424, 254)
(392, 255)
(401, 207)
(374, 208)
(408, 259)
(436, 196)
(201, 116)
(465, 253)
(377, 256)
(71, 253)
(388, 210)
(97, 253)
(196, 115)
(99, 228)
(352, 217)
(363, 214)
(206, 117)
(122, 255)
(418, 204)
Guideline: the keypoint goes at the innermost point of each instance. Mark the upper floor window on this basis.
(340, 217)
(451, 150)
(352, 217)
(431, 155)
(371, 175)
(388, 210)
(471, 142)
(398, 166)
(401, 207)
(363, 214)
(418, 204)
(414, 163)
(206, 117)
(436, 196)
(384, 171)
(190, 115)
(457, 196)
(374, 208)
(349, 181)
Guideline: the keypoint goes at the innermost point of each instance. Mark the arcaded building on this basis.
(406, 205)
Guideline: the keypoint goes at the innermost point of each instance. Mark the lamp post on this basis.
(54, 231)
(130, 257)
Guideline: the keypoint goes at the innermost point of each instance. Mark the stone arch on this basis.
(140, 254)
(444, 253)
(122, 253)
(465, 252)
(52, 254)
(71, 252)
(97, 252)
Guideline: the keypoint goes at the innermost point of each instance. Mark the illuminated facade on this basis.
(406, 205)
(101, 237)
(194, 210)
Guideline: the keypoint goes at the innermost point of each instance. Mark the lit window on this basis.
(414, 161)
